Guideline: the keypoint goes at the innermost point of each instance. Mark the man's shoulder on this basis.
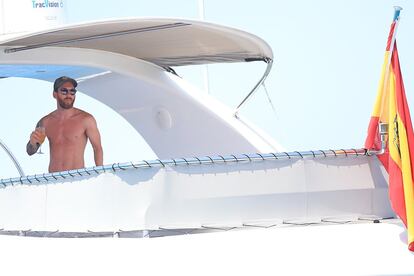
(47, 117)
(83, 113)
(84, 116)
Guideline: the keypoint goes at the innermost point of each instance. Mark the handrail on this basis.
(92, 37)
(262, 79)
(193, 161)
(12, 157)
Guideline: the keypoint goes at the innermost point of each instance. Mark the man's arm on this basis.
(34, 142)
(94, 136)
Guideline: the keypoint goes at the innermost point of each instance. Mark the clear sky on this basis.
(328, 57)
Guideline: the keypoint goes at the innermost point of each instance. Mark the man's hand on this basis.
(36, 137)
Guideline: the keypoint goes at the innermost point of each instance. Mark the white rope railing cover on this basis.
(193, 161)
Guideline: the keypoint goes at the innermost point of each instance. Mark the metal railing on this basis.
(12, 157)
(206, 160)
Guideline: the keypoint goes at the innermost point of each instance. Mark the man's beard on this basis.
(65, 104)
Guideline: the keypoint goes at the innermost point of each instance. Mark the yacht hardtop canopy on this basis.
(165, 42)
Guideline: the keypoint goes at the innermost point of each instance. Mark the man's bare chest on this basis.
(65, 132)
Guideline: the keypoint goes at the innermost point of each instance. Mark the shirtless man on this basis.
(68, 130)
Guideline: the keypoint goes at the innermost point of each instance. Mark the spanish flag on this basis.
(391, 108)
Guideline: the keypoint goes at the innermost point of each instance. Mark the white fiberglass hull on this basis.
(198, 193)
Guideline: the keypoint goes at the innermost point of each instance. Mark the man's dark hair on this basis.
(60, 81)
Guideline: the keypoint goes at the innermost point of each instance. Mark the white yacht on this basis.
(215, 172)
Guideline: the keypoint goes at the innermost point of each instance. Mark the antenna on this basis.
(1, 18)
(206, 77)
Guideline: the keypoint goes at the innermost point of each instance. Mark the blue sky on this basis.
(328, 57)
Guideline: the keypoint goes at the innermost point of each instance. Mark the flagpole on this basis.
(383, 125)
(396, 18)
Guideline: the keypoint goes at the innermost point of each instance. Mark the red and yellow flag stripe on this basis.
(401, 151)
(391, 107)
